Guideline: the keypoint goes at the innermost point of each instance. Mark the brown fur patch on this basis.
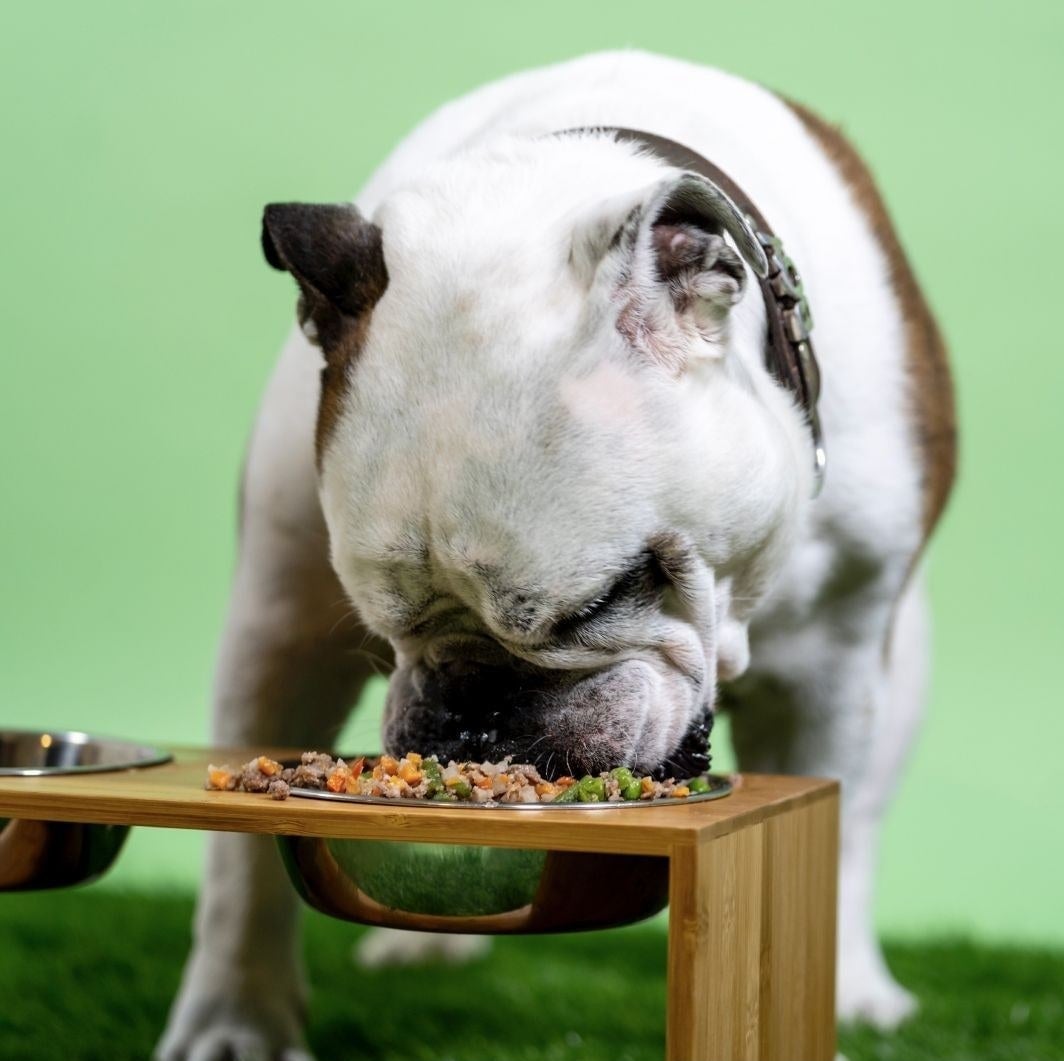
(337, 258)
(931, 388)
(336, 378)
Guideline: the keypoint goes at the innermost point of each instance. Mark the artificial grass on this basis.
(88, 975)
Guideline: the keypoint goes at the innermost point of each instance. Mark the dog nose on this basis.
(469, 690)
(468, 709)
(457, 669)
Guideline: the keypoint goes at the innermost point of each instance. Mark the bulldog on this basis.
(536, 448)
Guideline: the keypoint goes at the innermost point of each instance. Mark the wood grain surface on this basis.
(751, 968)
(172, 796)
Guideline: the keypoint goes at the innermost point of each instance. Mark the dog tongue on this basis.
(693, 755)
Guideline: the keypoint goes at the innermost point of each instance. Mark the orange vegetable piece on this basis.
(484, 782)
(545, 788)
(414, 758)
(269, 767)
(389, 765)
(647, 784)
(680, 791)
(358, 766)
(564, 782)
(219, 777)
(336, 779)
(409, 773)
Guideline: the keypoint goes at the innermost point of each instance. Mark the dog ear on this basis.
(337, 258)
(680, 276)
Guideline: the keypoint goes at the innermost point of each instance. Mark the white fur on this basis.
(485, 327)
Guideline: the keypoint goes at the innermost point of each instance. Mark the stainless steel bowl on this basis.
(469, 888)
(40, 753)
(44, 854)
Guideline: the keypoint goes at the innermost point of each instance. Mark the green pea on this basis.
(622, 775)
(461, 789)
(592, 789)
(698, 785)
(433, 776)
(632, 791)
(445, 797)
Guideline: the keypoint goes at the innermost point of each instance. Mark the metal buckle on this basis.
(786, 286)
(784, 280)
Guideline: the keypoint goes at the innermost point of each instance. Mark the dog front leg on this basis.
(290, 668)
(293, 660)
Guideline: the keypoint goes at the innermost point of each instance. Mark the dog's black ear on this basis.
(682, 276)
(337, 258)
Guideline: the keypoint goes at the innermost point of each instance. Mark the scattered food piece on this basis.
(415, 776)
(221, 778)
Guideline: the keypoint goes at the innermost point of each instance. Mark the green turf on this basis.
(87, 975)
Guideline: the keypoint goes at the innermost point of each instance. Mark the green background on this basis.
(139, 143)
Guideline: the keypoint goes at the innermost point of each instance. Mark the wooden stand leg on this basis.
(751, 973)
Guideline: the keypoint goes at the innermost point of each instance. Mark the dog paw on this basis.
(231, 1017)
(872, 997)
(386, 947)
(235, 1043)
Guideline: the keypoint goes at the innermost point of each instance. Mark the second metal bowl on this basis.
(42, 753)
(45, 854)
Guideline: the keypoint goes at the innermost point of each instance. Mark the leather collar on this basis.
(788, 353)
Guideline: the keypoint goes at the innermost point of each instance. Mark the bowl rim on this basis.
(143, 754)
(722, 786)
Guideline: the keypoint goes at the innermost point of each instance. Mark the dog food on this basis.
(416, 777)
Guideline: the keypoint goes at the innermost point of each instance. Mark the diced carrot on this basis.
(647, 784)
(564, 782)
(545, 788)
(378, 772)
(681, 791)
(336, 780)
(484, 782)
(357, 767)
(413, 758)
(269, 767)
(389, 765)
(219, 777)
(409, 773)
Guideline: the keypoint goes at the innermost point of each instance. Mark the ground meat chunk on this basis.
(257, 774)
(312, 771)
(278, 789)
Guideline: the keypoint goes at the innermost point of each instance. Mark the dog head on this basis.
(554, 475)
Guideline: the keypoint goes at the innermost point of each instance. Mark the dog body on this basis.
(546, 445)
